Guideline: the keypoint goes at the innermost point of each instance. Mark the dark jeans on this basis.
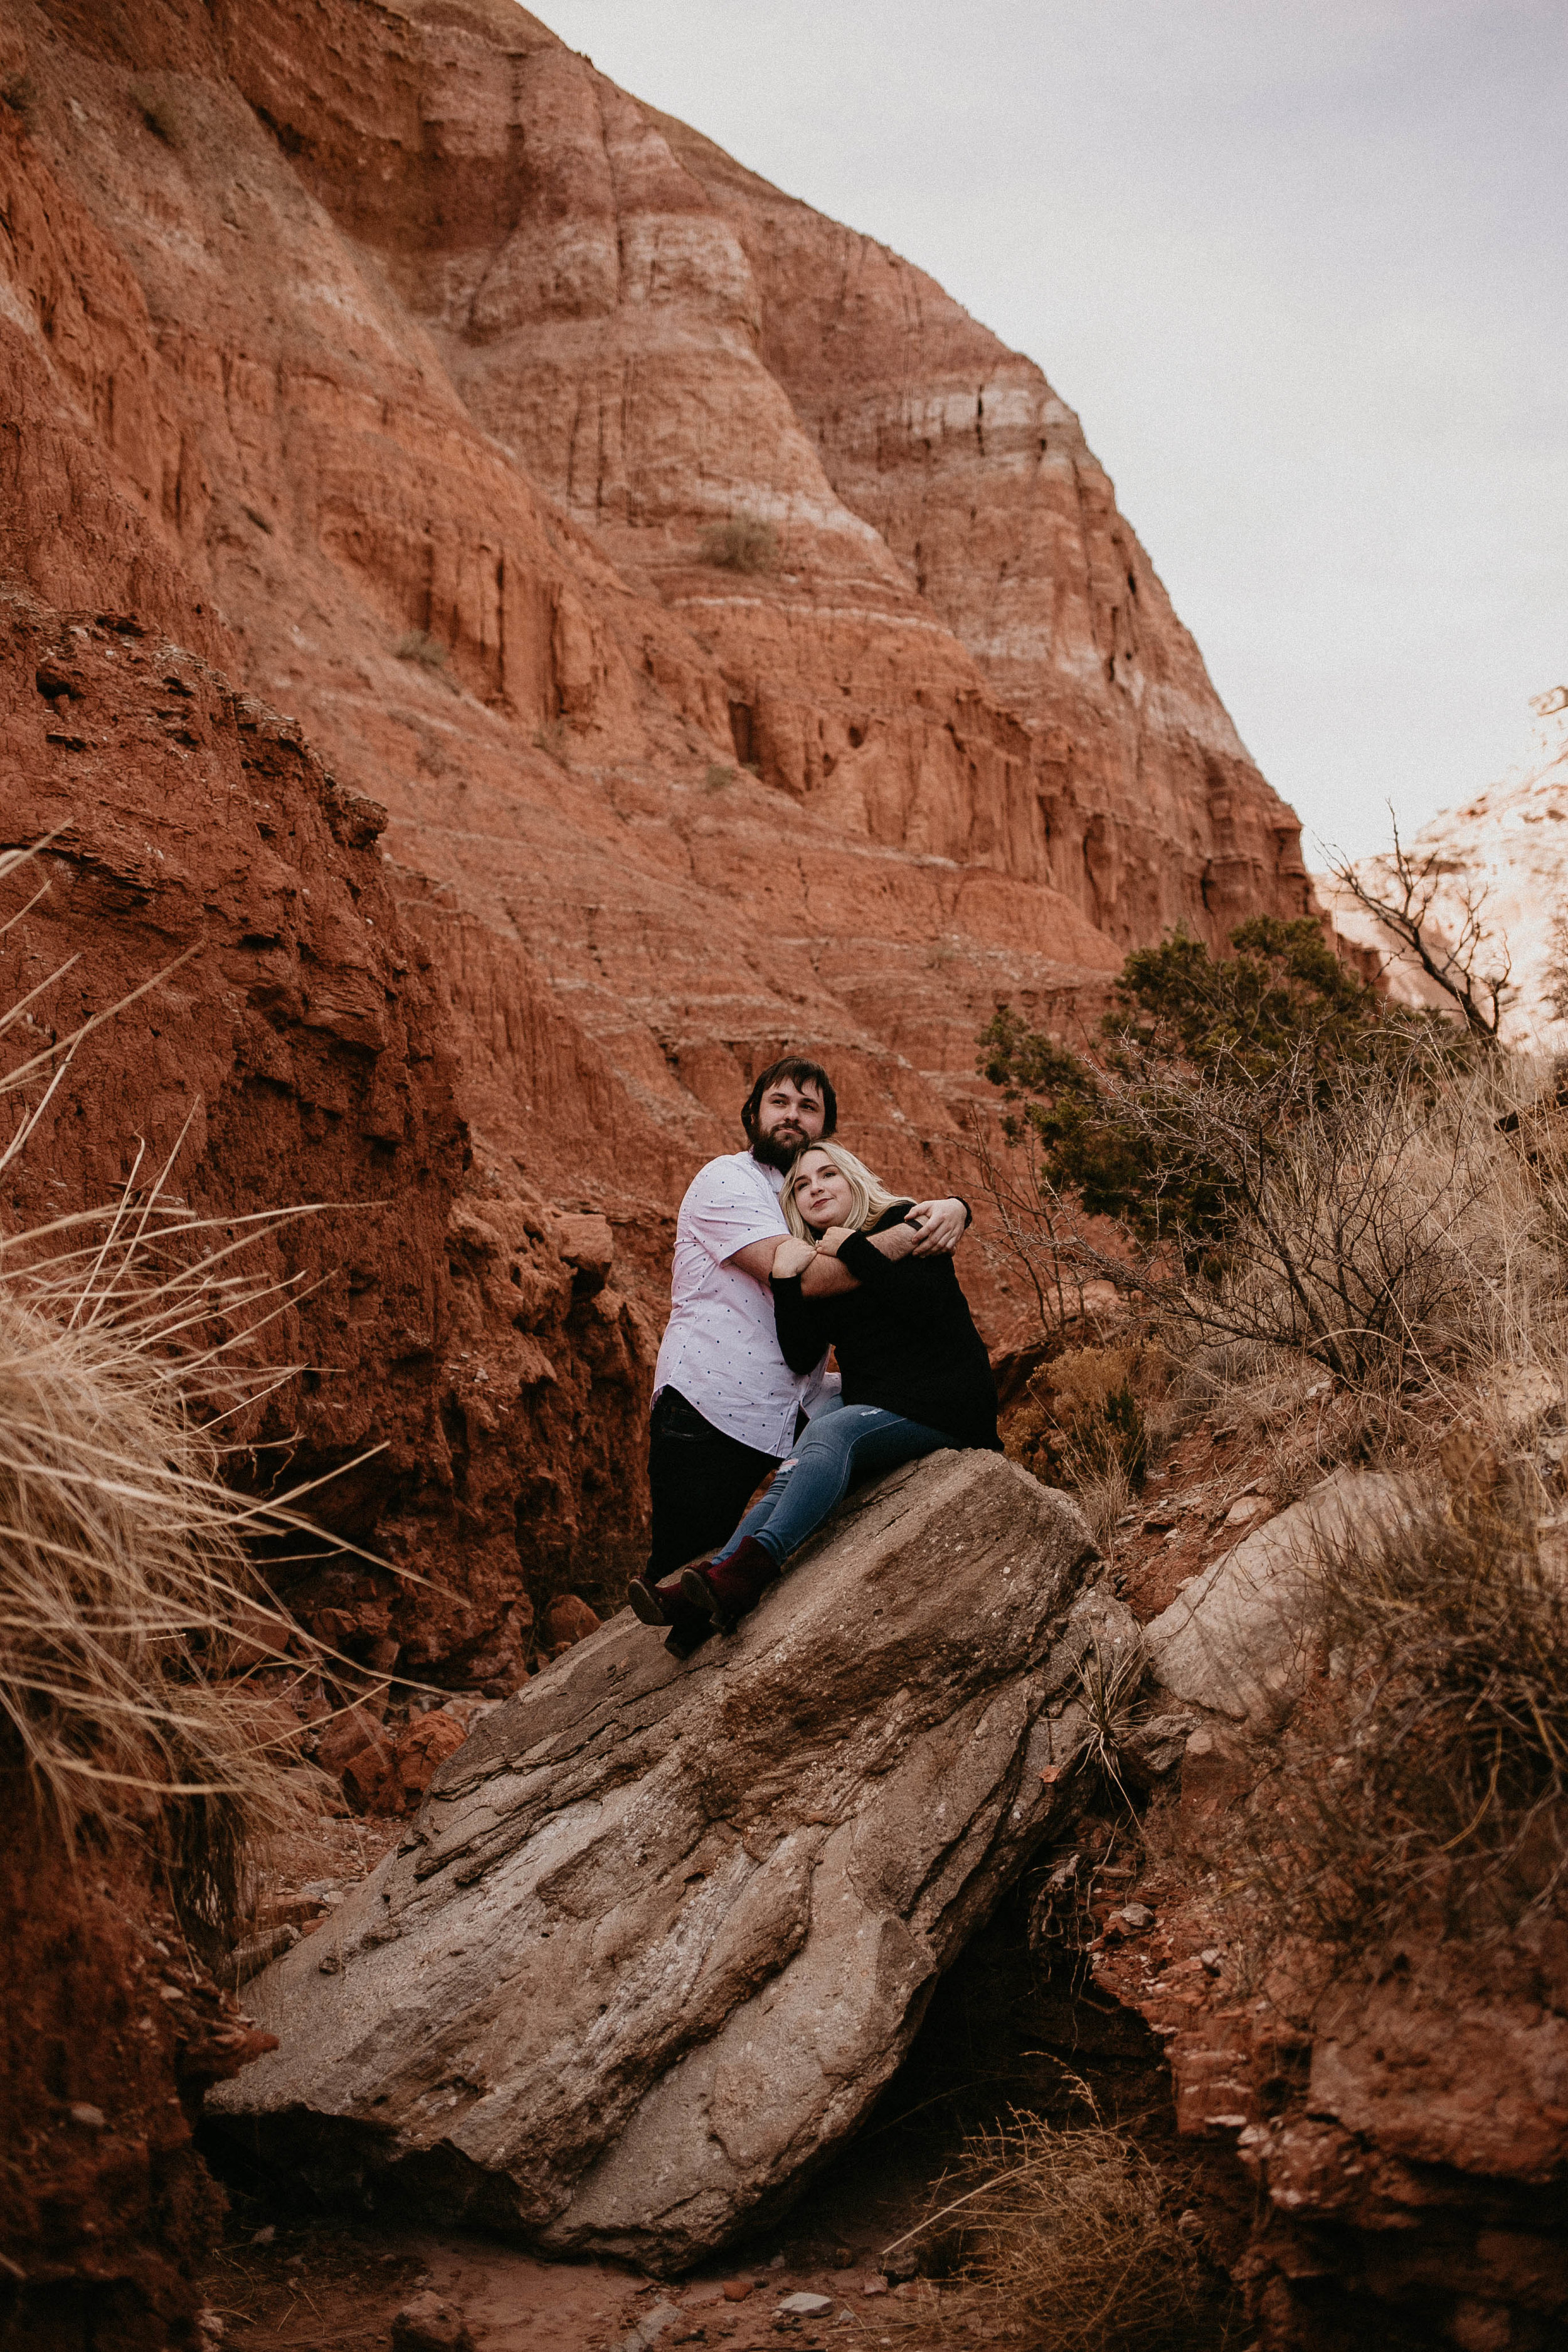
(700, 1481)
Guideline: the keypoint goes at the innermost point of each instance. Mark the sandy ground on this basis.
(328, 2283)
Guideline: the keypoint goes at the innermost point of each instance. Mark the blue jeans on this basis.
(838, 1450)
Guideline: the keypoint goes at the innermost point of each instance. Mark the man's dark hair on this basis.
(800, 1073)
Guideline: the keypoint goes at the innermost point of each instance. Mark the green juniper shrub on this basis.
(1275, 1023)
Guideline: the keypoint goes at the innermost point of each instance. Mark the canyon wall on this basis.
(388, 368)
(1496, 865)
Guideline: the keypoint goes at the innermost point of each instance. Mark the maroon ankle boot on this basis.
(655, 1605)
(729, 1590)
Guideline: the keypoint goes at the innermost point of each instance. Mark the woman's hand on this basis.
(829, 1243)
(792, 1258)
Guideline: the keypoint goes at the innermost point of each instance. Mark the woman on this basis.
(914, 1369)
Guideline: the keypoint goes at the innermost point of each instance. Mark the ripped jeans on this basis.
(838, 1450)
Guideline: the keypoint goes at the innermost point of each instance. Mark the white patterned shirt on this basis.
(720, 1348)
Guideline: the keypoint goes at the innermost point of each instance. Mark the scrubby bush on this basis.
(1072, 2231)
(1425, 1782)
(1202, 1060)
(743, 544)
(1081, 1425)
(717, 778)
(157, 112)
(419, 645)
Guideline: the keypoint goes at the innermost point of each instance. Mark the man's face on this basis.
(788, 1117)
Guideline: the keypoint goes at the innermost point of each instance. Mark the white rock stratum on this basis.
(1507, 845)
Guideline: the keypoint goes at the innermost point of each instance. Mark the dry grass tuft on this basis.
(1428, 1783)
(1071, 2231)
(121, 1561)
(1081, 1425)
(418, 646)
(743, 543)
(125, 1360)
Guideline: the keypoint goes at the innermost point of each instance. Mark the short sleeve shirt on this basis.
(721, 1347)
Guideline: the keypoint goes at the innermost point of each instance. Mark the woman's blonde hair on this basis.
(869, 1196)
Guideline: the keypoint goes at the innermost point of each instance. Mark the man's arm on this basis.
(824, 1277)
(757, 1258)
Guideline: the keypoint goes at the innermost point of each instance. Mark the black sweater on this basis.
(905, 1339)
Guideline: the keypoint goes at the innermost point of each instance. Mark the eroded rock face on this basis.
(662, 1932)
(1400, 2112)
(338, 330)
(1503, 853)
(448, 1323)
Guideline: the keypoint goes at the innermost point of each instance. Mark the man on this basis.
(726, 1405)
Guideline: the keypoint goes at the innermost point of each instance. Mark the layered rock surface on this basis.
(1401, 2111)
(662, 1931)
(392, 361)
(465, 1347)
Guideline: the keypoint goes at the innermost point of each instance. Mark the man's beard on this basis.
(779, 1152)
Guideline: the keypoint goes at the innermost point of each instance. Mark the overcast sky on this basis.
(1298, 265)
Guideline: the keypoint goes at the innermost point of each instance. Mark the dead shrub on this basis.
(1072, 2231)
(717, 778)
(1081, 1425)
(745, 542)
(419, 646)
(157, 112)
(1425, 1778)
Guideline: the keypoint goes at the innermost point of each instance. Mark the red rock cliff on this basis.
(394, 363)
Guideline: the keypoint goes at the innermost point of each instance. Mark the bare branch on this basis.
(1406, 911)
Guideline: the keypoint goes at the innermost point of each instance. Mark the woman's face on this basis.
(822, 1194)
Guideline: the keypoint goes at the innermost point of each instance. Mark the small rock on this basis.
(806, 2305)
(1135, 1915)
(1245, 1509)
(428, 2324)
(89, 2118)
(1212, 1958)
(651, 2326)
(737, 2290)
(875, 2284)
(567, 1620)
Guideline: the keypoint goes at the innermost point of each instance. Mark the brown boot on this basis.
(729, 1590)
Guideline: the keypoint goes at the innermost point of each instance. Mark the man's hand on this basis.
(942, 1226)
(792, 1258)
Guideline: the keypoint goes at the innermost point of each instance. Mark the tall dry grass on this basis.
(127, 1360)
(1426, 1781)
(1070, 2232)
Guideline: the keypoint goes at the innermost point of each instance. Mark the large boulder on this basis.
(662, 1932)
(1235, 1640)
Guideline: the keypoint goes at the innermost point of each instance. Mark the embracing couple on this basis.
(783, 1253)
